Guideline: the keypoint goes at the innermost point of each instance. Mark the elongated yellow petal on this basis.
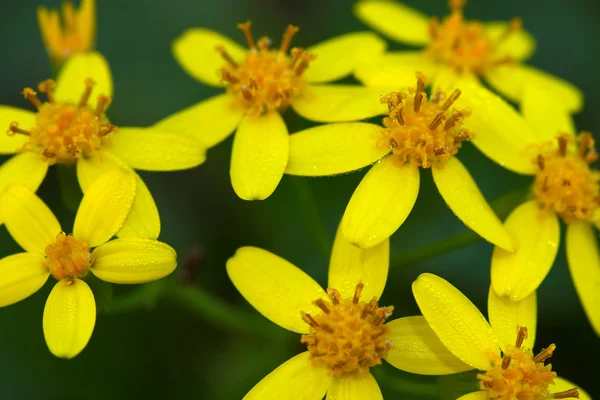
(27, 169)
(395, 20)
(259, 156)
(417, 349)
(152, 149)
(506, 315)
(350, 265)
(480, 395)
(69, 317)
(210, 121)
(339, 56)
(25, 120)
(561, 385)
(21, 275)
(71, 81)
(296, 379)
(396, 69)
(195, 51)
(87, 23)
(459, 190)
(456, 321)
(380, 203)
(519, 45)
(339, 103)
(584, 264)
(104, 207)
(354, 387)
(275, 287)
(334, 149)
(28, 220)
(546, 116)
(536, 236)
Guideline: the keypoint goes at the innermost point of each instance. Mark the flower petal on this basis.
(480, 395)
(354, 387)
(396, 69)
(544, 114)
(28, 220)
(418, 350)
(209, 121)
(339, 103)
(339, 56)
(461, 193)
(259, 156)
(506, 315)
(519, 45)
(456, 321)
(395, 20)
(79, 67)
(24, 118)
(334, 149)
(276, 288)
(195, 51)
(295, 379)
(584, 264)
(350, 265)
(133, 260)
(536, 236)
(152, 149)
(561, 385)
(104, 207)
(21, 275)
(380, 203)
(69, 317)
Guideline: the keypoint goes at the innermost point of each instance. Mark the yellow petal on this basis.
(104, 207)
(536, 236)
(339, 56)
(339, 103)
(561, 385)
(334, 149)
(459, 190)
(519, 45)
(209, 121)
(69, 318)
(152, 149)
(584, 264)
(480, 395)
(87, 23)
(456, 321)
(545, 114)
(21, 275)
(350, 266)
(196, 53)
(418, 350)
(396, 69)
(259, 156)
(395, 20)
(71, 81)
(380, 203)
(25, 119)
(133, 260)
(28, 220)
(506, 315)
(354, 387)
(27, 169)
(296, 379)
(275, 287)
(511, 80)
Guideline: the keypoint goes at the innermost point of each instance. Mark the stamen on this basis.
(515, 25)
(567, 394)
(453, 120)
(89, 86)
(264, 43)
(372, 306)
(246, 93)
(437, 121)
(306, 59)
(321, 304)
(103, 102)
(545, 354)
(308, 319)
(47, 87)
(297, 52)
(521, 336)
(287, 38)
(14, 129)
(541, 162)
(227, 76)
(245, 27)
(420, 89)
(105, 130)
(453, 97)
(226, 56)
(563, 140)
(357, 292)
(586, 142)
(31, 95)
(334, 295)
(456, 5)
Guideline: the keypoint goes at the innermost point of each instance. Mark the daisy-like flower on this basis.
(70, 311)
(455, 50)
(501, 349)
(71, 127)
(417, 133)
(261, 82)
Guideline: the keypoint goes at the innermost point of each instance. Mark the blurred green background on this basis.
(163, 350)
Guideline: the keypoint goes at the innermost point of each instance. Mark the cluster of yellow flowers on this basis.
(432, 101)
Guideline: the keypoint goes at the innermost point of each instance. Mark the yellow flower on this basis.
(508, 371)
(76, 32)
(457, 50)
(70, 312)
(260, 83)
(418, 133)
(71, 127)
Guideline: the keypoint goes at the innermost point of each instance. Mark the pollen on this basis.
(348, 337)
(519, 375)
(68, 257)
(565, 183)
(269, 78)
(420, 131)
(65, 131)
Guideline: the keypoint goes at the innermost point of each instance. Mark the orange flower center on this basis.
(268, 79)
(423, 132)
(68, 257)
(65, 131)
(348, 337)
